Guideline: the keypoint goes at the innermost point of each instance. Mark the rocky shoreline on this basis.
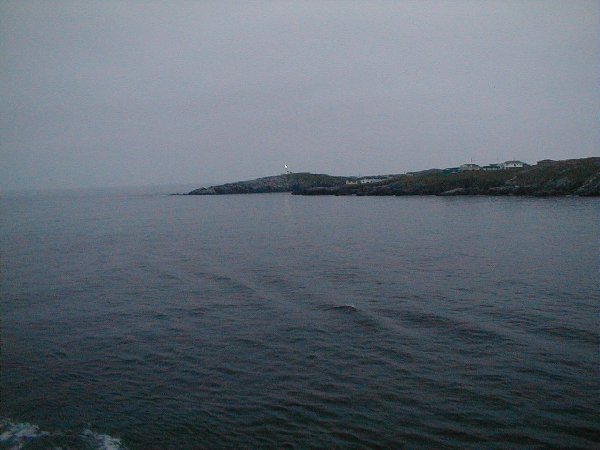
(577, 177)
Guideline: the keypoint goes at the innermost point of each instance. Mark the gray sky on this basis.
(134, 93)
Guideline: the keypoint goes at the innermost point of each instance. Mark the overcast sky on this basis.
(135, 93)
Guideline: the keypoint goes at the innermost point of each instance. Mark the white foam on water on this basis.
(19, 434)
(103, 441)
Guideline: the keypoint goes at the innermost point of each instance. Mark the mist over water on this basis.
(138, 320)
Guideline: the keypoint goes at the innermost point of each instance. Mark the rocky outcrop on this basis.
(289, 182)
(590, 188)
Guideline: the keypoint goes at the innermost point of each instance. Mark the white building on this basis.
(467, 167)
(369, 180)
(512, 164)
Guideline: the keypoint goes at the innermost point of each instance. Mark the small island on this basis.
(576, 177)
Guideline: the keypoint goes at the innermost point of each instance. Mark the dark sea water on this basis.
(139, 320)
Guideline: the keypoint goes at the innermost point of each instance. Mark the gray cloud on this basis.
(117, 93)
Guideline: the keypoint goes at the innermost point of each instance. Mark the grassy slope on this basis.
(562, 178)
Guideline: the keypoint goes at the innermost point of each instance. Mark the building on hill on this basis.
(512, 164)
(369, 180)
(449, 170)
(469, 167)
(491, 167)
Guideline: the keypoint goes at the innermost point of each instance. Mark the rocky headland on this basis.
(288, 182)
(580, 177)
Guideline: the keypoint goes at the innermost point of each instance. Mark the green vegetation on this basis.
(570, 177)
(440, 182)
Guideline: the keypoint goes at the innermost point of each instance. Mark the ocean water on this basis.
(133, 319)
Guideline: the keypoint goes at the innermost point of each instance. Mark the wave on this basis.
(343, 308)
(17, 435)
(102, 441)
(23, 435)
(350, 315)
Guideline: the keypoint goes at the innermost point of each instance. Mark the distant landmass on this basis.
(579, 177)
(288, 182)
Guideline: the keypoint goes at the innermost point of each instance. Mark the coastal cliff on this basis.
(579, 177)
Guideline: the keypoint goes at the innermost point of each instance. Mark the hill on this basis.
(547, 178)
